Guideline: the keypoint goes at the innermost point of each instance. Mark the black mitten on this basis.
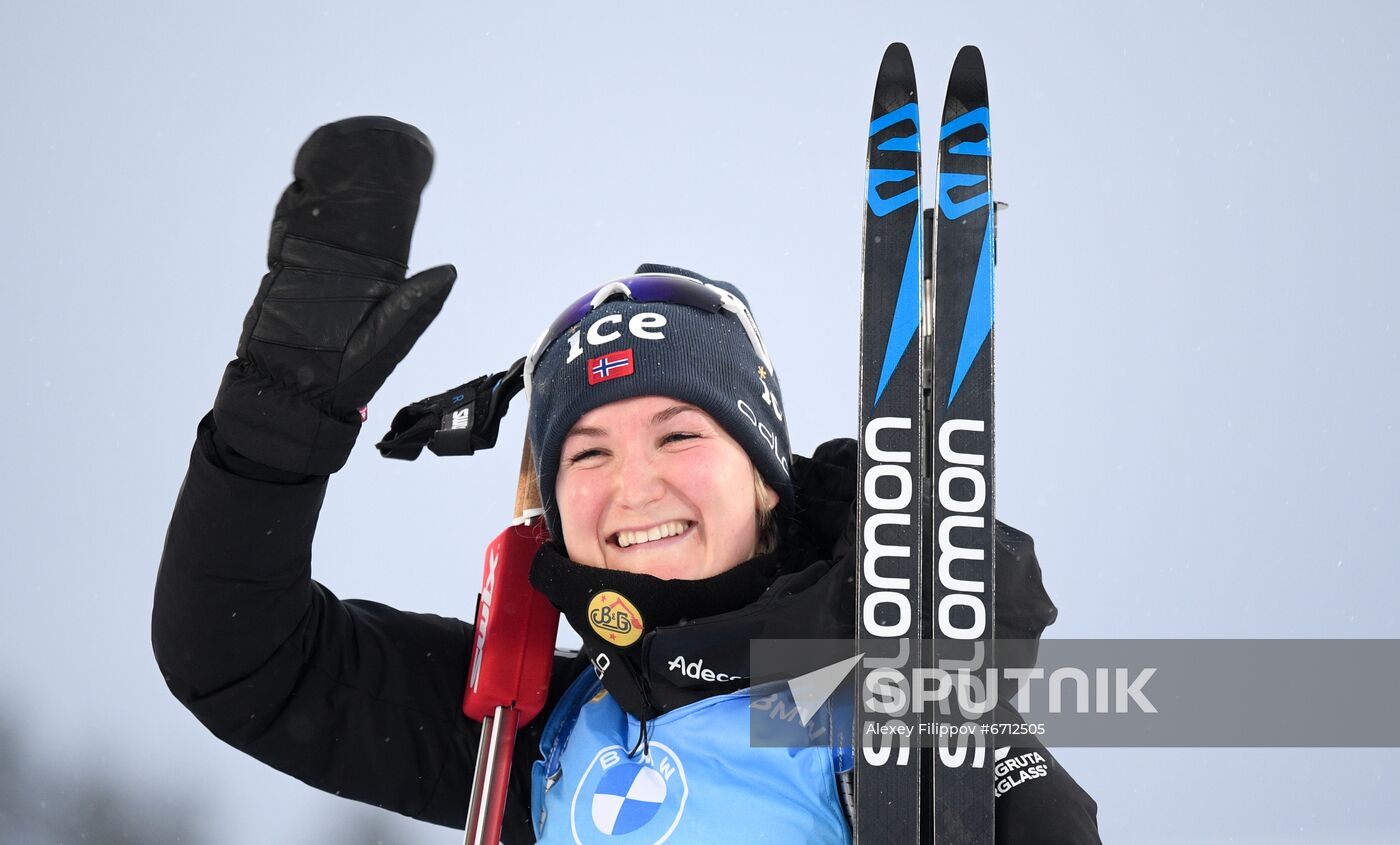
(334, 315)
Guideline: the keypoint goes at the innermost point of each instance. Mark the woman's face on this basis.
(654, 485)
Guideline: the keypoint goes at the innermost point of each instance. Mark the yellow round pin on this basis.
(614, 618)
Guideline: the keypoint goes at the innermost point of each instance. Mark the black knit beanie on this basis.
(682, 352)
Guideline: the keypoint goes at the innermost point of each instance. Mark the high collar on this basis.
(620, 616)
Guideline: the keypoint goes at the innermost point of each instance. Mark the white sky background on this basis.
(1196, 314)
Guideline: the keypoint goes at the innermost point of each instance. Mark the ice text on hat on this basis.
(645, 325)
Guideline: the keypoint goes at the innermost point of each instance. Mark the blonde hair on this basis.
(767, 515)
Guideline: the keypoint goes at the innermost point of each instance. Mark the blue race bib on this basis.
(698, 781)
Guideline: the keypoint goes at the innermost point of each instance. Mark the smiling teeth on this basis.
(633, 538)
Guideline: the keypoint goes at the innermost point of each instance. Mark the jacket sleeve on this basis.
(352, 697)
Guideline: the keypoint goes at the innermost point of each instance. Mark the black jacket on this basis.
(364, 701)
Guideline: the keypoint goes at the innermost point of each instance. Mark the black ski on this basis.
(961, 555)
(890, 507)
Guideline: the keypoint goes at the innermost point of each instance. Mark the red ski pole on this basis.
(512, 655)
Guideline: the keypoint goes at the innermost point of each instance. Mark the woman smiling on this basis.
(683, 528)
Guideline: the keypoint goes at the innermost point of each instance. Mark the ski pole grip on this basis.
(513, 649)
(512, 656)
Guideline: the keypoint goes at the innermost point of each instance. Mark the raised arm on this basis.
(352, 697)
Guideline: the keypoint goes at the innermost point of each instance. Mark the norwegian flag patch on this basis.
(610, 366)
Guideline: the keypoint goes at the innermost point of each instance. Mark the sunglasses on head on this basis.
(650, 287)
